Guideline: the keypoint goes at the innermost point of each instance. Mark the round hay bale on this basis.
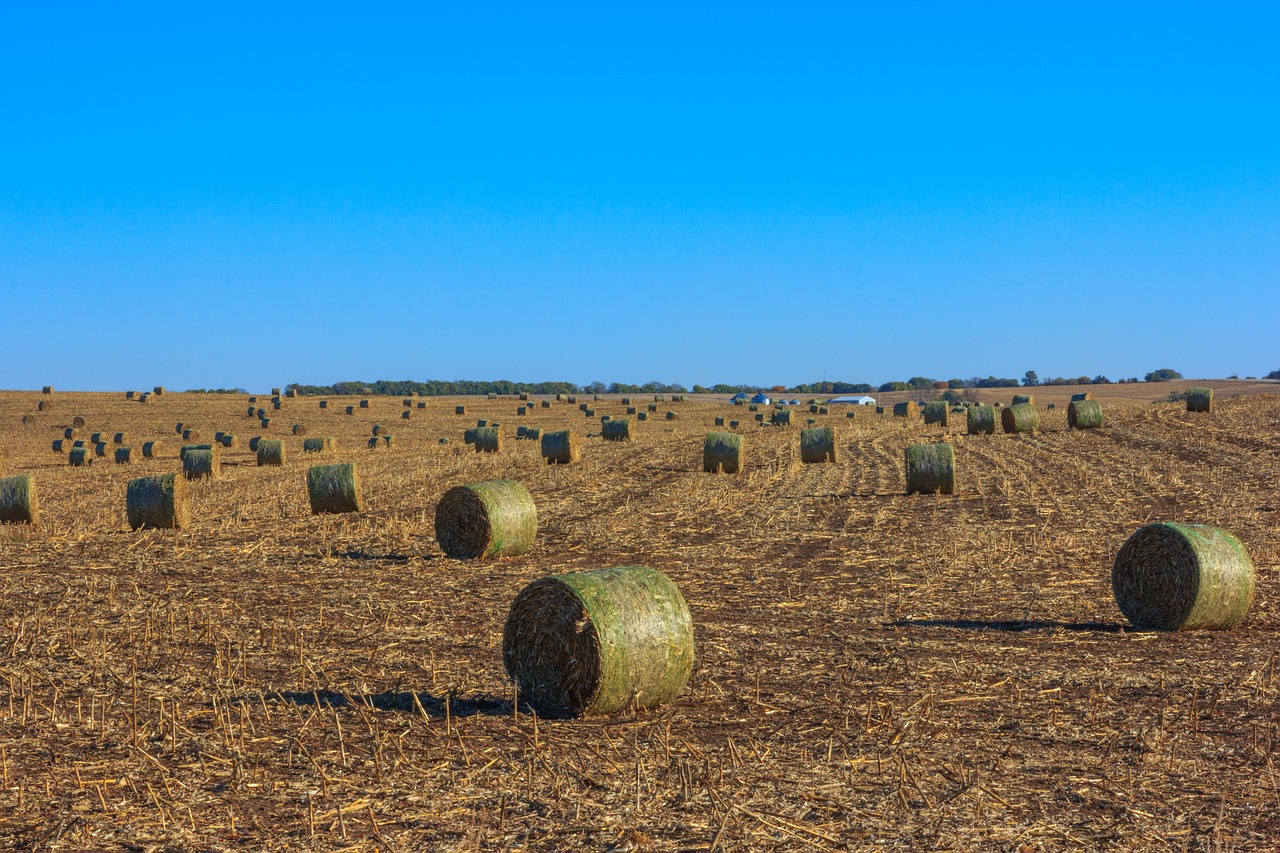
(591, 413)
(733, 424)
(1076, 398)
(818, 445)
(1179, 577)
(1051, 406)
(162, 501)
(642, 416)
(253, 399)
(616, 430)
(299, 429)
(44, 406)
(1020, 417)
(982, 419)
(1084, 414)
(533, 434)
(599, 642)
(254, 442)
(811, 421)
(488, 440)
(61, 445)
(905, 410)
(626, 401)
(1199, 399)
(275, 392)
(849, 415)
(324, 404)
(375, 443)
(406, 415)
(129, 395)
(261, 413)
(1019, 399)
(271, 451)
(572, 400)
(70, 432)
(813, 408)
(671, 416)
(652, 407)
(879, 410)
(317, 445)
(190, 435)
(229, 441)
(521, 431)
(719, 422)
(265, 423)
(722, 451)
(631, 410)
(100, 449)
(79, 442)
(334, 488)
(152, 449)
(48, 389)
(251, 411)
(459, 410)
(931, 468)
(277, 405)
(144, 398)
(202, 464)
(780, 417)
(291, 392)
(19, 503)
(521, 411)
(937, 412)
(753, 407)
(561, 448)
(546, 404)
(759, 416)
(388, 441)
(422, 405)
(491, 519)
(364, 404)
(158, 390)
(351, 410)
(822, 410)
(180, 428)
(120, 438)
(78, 421)
(124, 455)
(80, 456)
(469, 436)
(482, 423)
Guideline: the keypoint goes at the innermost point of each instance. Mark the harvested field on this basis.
(872, 670)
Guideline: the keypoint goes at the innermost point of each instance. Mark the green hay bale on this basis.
(100, 449)
(931, 468)
(781, 417)
(299, 429)
(818, 445)
(722, 451)
(317, 445)
(1179, 577)
(561, 448)
(19, 503)
(492, 519)
(1076, 398)
(152, 449)
(1084, 414)
(524, 397)
(162, 501)
(1199, 399)
(905, 410)
(229, 441)
(459, 410)
(1020, 417)
(271, 451)
(652, 407)
(571, 400)
(753, 407)
(982, 419)
(533, 434)
(469, 437)
(334, 488)
(202, 464)
(488, 440)
(275, 392)
(616, 430)
(124, 455)
(80, 456)
(254, 442)
(719, 422)
(190, 435)
(1019, 399)
(599, 642)
(937, 412)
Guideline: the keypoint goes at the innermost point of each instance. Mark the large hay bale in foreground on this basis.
(618, 429)
(982, 419)
(561, 448)
(599, 642)
(18, 501)
(1084, 414)
(1199, 399)
(334, 488)
(152, 449)
(818, 444)
(1177, 577)
(1020, 417)
(491, 519)
(905, 410)
(161, 501)
(488, 440)
(271, 451)
(937, 412)
(931, 468)
(722, 451)
(317, 445)
(202, 464)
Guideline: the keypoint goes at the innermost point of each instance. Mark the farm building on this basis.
(761, 399)
(739, 398)
(854, 399)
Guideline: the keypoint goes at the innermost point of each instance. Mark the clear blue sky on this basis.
(204, 195)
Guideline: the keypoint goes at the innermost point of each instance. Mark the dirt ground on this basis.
(874, 671)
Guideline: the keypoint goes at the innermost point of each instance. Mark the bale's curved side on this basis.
(781, 417)
(560, 448)
(1172, 577)
(491, 519)
(722, 451)
(162, 501)
(937, 412)
(334, 488)
(1076, 398)
(618, 429)
(599, 642)
(488, 440)
(1084, 414)
(271, 451)
(80, 456)
(1199, 399)
(818, 444)
(120, 438)
(124, 455)
(1019, 399)
(1020, 417)
(981, 419)
(931, 468)
(317, 444)
(19, 503)
(203, 463)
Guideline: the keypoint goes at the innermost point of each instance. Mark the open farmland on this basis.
(873, 671)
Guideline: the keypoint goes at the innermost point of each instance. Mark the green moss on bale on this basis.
(317, 445)
(334, 488)
(1020, 417)
(781, 417)
(818, 445)
(161, 501)
(201, 464)
(488, 440)
(982, 419)
(1019, 399)
(1076, 398)
(599, 642)
(80, 456)
(1178, 577)
(931, 468)
(937, 412)
(1084, 414)
(492, 519)
(560, 448)
(616, 430)
(19, 503)
(1199, 399)
(722, 451)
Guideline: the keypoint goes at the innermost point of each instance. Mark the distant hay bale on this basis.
(162, 501)
(626, 401)
(822, 410)
(533, 434)
(521, 411)
(546, 404)
(850, 415)
(100, 449)
(1019, 399)
(722, 451)
(253, 399)
(642, 416)
(144, 398)
(61, 445)
(571, 399)
(521, 431)
(469, 436)
(1076, 398)
(584, 407)
(811, 421)
(459, 410)
(780, 417)
(251, 411)
(981, 419)
(120, 438)
(733, 424)
(19, 503)
(158, 390)
(482, 422)
(1180, 577)
(217, 437)
(937, 412)
(351, 410)
(931, 468)
(80, 456)
(879, 410)
(818, 445)
(79, 442)
(334, 488)
(631, 410)
(364, 404)
(604, 419)
(129, 395)
(299, 429)
(265, 423)
(152, 449)
(719, 422)
(422, 405)
(124, 455)
(524, 396)
(98, 438)
(277, 405)
(488, 440)
(229, 441)
(1051, 406)
(1020, 417)
(190, 435)
(77, 421)
(202, 464)
(905, 410)
(652, 407)
(753, 407)
(375, 443)
(1084, 414)
(388, 441)
(406, 415)
(492, 519)
(292, 392)
(599, 642)
(759, 416)
(271, 451)
(317, 444)
(254, 442)
(44, 406)
(616, 430)
(671, 416)
(591, 413)
(275, 392)
(561, 448)
(324, 404)
(813, 408)
(187, 448)
(48, 389)
(1199, 399)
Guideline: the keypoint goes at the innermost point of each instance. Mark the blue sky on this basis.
(221, 195)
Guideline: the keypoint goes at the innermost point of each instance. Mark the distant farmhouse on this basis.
(854, 399)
